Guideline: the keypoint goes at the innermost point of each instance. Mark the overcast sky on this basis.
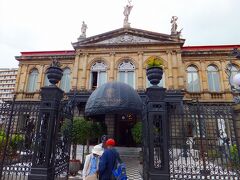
(44, 25)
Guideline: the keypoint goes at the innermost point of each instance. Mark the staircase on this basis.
(132, 152)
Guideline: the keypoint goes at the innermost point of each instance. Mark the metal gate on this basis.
(18, 122)
(203, 142)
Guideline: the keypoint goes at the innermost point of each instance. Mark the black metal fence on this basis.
(18, 124)
(203, 142)
(17, 135)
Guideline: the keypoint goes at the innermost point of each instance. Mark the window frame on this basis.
(32, 80)
(210, 72)
(193, 89)
(129, 67)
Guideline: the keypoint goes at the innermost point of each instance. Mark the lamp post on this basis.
(234, 79)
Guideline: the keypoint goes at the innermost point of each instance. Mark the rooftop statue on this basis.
(83, 30)
(174, 26)
(126, 13)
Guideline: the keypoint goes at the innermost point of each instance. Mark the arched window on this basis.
(213, 78)
(66, 80)
(32, 81)
(193, 83)
(126, 73)
(160, 84)
(46, 81)
(98, 75)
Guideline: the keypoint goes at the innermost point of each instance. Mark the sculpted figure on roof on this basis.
(83, 29)
(126, 13)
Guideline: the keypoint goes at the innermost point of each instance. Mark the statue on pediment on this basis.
(174, 24)
(83, 29)
(126, 13)
(174, 31)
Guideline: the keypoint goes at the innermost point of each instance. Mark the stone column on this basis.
(170, 71)
(181, 84)
(40, 81)
(24, 78)
(140, 71)
(112, 65)
(110, 123)
(222, 73)
(175, 70)
(75, 71)
(83, 81)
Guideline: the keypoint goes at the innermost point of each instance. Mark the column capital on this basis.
(140, 52)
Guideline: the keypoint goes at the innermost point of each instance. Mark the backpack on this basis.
(119, 171)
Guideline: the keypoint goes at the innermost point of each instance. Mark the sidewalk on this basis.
(133, 169)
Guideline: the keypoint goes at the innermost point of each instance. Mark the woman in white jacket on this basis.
(91, 163)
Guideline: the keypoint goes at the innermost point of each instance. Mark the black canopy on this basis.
(113, 97)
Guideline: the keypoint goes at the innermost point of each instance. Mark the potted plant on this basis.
(79, 131)
(154, 70)
(54, 72)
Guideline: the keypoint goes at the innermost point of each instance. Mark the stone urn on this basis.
(54, 74)
(154, 75)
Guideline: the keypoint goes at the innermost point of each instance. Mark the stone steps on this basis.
(132, 152)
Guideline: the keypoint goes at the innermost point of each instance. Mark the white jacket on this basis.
(87, 165)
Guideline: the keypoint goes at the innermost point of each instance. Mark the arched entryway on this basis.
(122, 107)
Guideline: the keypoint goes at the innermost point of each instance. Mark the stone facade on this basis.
(137, 46)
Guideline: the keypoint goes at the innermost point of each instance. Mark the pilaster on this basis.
(181, 84)
(169, 77)
(112, 65)
(83, 82)
(75, 71)
(140, 71)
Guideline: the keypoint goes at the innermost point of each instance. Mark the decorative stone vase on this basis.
(74, 167)
(54, 74)
(154, 75)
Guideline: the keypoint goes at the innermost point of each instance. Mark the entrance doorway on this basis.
(123, 126)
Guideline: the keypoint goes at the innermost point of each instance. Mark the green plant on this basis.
(16, 141)
(81, 132)
(137, 132)
(235, 159)
(96, 130)
(154, 62)
(213, 153)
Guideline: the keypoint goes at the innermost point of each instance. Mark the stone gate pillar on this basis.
(156, 135)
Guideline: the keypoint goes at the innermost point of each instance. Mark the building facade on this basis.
(7, 83)
(121, 55)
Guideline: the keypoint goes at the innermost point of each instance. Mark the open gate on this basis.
(203, 142)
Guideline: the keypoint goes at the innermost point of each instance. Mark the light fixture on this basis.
(234, 79)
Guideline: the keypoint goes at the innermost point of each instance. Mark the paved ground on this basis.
(133, 169)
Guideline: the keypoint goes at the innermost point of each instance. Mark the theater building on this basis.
(121, 55)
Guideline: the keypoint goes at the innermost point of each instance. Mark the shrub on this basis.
(154, 62)
(235, 159)
(137, 133)
(16, 141)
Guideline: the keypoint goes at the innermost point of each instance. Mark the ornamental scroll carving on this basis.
(126, 38)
